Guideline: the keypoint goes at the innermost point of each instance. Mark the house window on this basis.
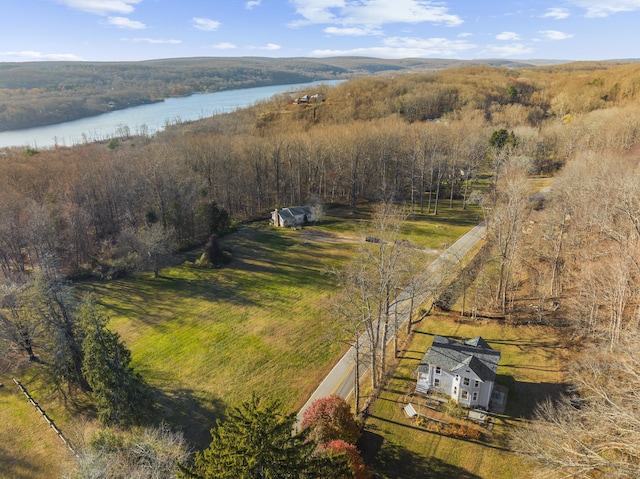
(455, 390)
(465, 381)
(457, 377)
(476, 383)
(438, 370)
(436, 382)
(465, 394)
(475, 396)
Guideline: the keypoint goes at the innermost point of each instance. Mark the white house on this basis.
(465, 371)
(293, 216)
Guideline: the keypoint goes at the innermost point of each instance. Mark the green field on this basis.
(29, 447)
(208, 338)
(531, 367)
(205, 339)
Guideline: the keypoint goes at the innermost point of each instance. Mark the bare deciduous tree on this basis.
(153, 452)
(505, 221)
(595, 431)
(18, 326)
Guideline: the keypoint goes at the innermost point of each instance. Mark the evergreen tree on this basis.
(122, 397)
(257, 442)
(50, 298)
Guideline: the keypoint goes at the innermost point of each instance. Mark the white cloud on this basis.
(223, 46)
(555, 35)
(101, 7)
(270, 46)
(28, 55)
(152, 41)
(508, 36)
(252, 3)
(123, 22)
(599, 8)
(505, 51)
(465, 35)
(406, 47)
(205, 24)
(352, 31)
(557, 13)
(373, 12)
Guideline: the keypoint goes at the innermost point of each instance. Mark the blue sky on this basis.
(112, 30)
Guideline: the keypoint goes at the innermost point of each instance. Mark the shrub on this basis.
(354, 459)
(329, 419)
(455, 410)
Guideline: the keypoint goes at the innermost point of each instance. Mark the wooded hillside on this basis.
(43, 93)
(417, 139)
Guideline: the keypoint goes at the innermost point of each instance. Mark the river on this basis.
(145, 119)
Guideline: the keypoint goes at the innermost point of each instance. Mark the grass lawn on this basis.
(205, 339)
(531, 367)
(29, 447)
(208, 338)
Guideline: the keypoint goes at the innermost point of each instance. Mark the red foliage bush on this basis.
(330, 418)
(354, 459)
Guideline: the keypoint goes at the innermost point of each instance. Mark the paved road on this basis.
(341, 379)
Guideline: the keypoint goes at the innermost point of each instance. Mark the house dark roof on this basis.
(451, 355)
(297, 210)
(285, 213)
(291, 211)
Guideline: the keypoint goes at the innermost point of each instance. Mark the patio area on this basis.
(432, 407)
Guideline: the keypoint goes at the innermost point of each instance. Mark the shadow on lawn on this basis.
(524, 396)
(25, 467)
(193, 415)
(390, 461)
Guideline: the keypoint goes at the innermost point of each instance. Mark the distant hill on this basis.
(42, 93)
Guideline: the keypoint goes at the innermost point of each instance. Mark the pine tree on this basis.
(51, 299)
(122, 397)
(257, 442)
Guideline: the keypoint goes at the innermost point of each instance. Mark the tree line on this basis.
(43, 93)
(102, 208)
(579, 259)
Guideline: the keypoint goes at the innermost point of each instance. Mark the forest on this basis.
(418, 139)
(44, 93)
(473, 134)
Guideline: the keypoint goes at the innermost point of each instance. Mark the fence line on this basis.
(44, 415)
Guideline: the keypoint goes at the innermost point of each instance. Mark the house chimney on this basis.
(276, 220)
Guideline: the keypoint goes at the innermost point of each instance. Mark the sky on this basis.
(132, 30)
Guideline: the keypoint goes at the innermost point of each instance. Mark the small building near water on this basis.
(292, 216)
